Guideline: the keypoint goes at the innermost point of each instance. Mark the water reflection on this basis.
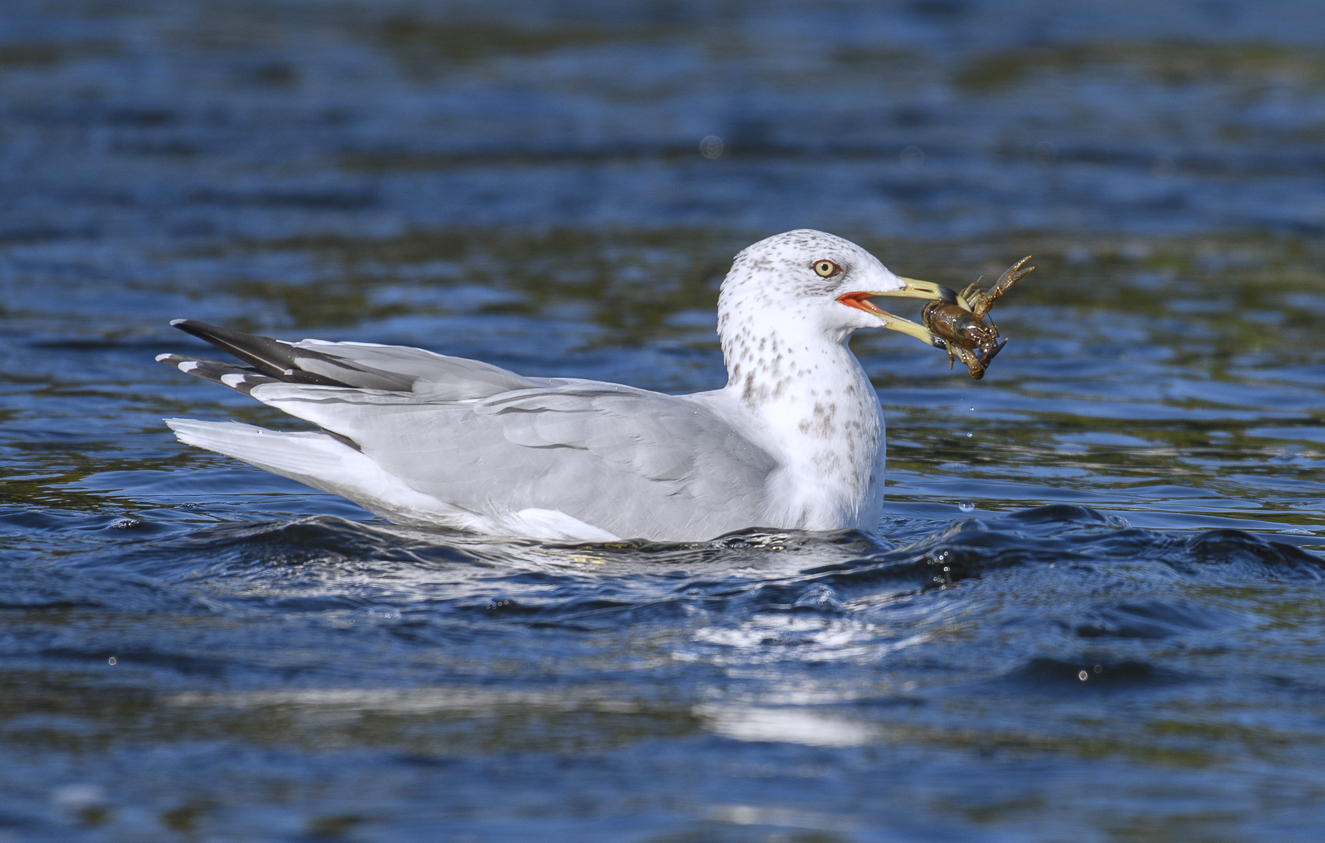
(559, 191)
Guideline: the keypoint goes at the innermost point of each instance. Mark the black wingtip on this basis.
(273, 358)
(202, 330)
(947, 294)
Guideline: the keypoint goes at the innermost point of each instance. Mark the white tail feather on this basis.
(296, 455)
(318, 460)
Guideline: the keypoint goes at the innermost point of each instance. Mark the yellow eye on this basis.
(827, 269)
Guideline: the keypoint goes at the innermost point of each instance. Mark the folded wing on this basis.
(492, 444)
(634, 463)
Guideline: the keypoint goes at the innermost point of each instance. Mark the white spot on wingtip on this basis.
(175, 323)
(232, 380)
(188, 365)
(161, 358)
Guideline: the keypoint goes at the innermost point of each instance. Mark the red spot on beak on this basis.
(860, 301)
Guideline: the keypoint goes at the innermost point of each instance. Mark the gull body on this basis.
(795, 440)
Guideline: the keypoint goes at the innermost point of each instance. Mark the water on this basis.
(193, 650)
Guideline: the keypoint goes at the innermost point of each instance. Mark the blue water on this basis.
(1094, 610)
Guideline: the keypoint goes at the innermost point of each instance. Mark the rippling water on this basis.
(1094, 610)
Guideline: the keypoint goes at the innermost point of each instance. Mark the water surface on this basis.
(1093, 610)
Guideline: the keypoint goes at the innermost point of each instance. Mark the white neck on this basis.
(812, 407)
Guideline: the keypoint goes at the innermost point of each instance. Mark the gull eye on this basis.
(827, 269)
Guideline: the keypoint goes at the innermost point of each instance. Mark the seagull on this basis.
(794, 441)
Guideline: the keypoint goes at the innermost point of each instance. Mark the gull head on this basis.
(820, 282)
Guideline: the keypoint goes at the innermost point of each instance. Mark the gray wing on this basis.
(421, 372)
(362, 365)
(639, 464)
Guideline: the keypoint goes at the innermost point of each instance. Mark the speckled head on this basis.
(801, 276)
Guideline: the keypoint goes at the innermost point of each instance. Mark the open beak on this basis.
(912, 289)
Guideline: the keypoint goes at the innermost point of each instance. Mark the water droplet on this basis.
(112, 661)
(966, 506)
(78, 797)
(969, 435)
(819, 597)
(711, 147)
(1099, 668)
(1082, 675)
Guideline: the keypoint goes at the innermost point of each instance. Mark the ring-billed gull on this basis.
(795, 440)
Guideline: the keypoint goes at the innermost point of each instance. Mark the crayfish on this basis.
(962, 325)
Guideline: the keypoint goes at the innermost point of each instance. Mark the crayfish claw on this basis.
(963, 329)
(1013, 274)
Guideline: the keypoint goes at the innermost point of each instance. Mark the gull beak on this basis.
(913, 289)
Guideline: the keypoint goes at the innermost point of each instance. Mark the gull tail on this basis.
(311, 458)
(323, 461)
